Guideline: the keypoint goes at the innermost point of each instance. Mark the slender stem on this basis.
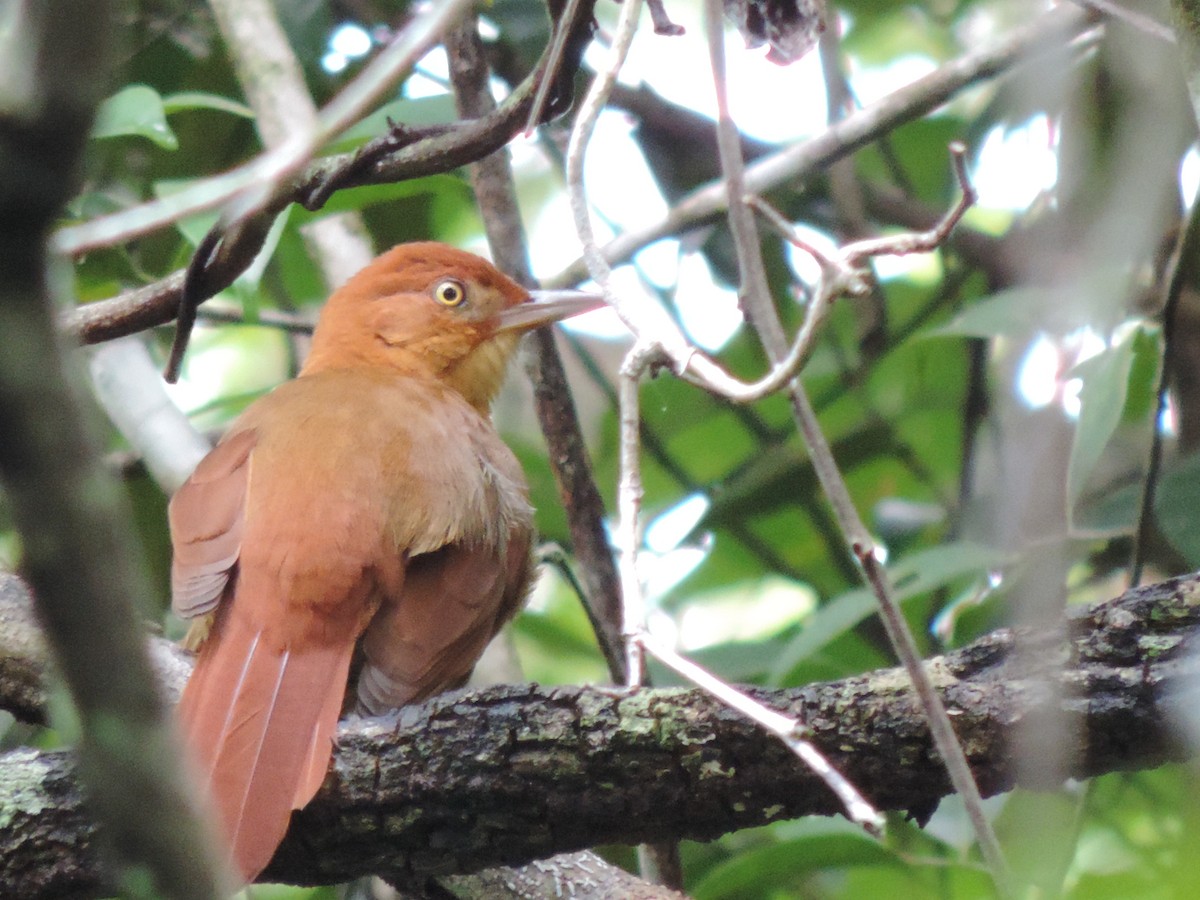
(1060, 25)
(793, 732)
(761, 311)
(629, 504)
(1180, 273)
(253, 184)
(630, 490)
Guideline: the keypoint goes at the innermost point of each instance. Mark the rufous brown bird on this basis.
(365, 514)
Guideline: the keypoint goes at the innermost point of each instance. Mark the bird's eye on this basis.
(450, 293)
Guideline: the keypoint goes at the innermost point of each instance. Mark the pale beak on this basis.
(544, 307)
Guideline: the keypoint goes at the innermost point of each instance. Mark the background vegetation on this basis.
(992, 406)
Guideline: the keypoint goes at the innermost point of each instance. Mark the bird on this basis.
(357, 536)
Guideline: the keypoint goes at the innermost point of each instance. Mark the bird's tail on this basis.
(259, 720)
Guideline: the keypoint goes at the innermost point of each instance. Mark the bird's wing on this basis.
(459, 582)
(260, 709)
(428, 636)
(207, 517)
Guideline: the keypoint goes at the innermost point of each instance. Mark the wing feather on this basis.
(436, 620)
(428, 637)
(207, 517)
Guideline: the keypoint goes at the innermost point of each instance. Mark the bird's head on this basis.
(429, 310)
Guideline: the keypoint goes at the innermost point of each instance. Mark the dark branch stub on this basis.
(190, 298)
(573, 24)
(398, 136)
(789, 27)
(662, 22)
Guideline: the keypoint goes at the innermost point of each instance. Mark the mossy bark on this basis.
(517, 773)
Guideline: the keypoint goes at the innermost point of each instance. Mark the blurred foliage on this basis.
(933, 444)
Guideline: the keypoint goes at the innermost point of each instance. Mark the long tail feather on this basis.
(260, 721)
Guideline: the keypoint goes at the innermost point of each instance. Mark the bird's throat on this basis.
(480, 374)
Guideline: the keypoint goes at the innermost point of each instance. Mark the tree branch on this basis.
(510, 774)
(495, 192)
(75, 544)
(383, 161)
(792, 164)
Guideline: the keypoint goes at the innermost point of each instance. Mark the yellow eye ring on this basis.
(450, 292)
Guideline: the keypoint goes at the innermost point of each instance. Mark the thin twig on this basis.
(843, 272)
(794, 163)
(629, 506)
(763, 316)
(792, 731)
(1181, 270)
(921, 241)
(642, 318)
(629, 492)
(865, 552)
(269, 318)
(252, 185)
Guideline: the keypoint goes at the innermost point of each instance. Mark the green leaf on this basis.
(1104, 387)
(135, 110)
(1142, 399)
(1175, 505)
(186, 100)
(911, 577)
(1014, 311)
(746, 874)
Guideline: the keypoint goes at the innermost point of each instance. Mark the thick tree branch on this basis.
(515, 773)
(75, 545)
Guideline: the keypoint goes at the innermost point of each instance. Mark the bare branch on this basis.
(926, 241)
(629, 506)
(517, 773)
(254, 186)
(446, 149)
(792, 731)
(272, 80)
(1048, 32)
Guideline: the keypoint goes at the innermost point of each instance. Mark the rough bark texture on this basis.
(516, 773)
(580, 876)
